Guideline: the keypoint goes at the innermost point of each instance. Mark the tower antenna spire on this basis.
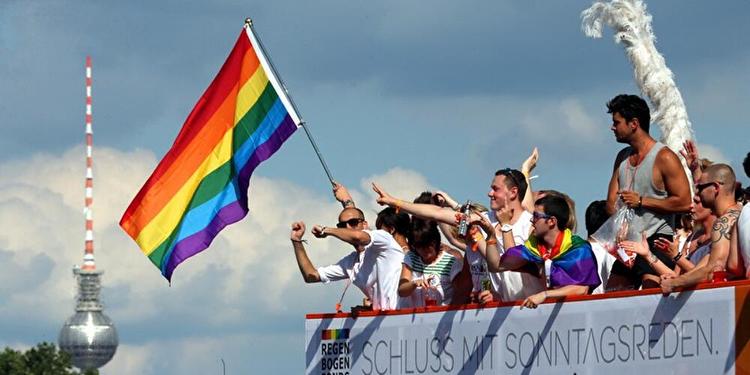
(88, 256)
(89, 336)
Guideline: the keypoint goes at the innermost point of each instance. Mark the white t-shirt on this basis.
(604, 260)
(743, 232)
(509, 285)
(375, 270)
(439, 274)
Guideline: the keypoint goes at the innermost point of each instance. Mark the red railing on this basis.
(570, 299)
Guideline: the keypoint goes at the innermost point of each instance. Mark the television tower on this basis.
(88, 336)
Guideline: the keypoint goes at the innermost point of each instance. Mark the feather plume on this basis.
(632, 26)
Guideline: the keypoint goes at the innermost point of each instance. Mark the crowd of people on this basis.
(654, 230)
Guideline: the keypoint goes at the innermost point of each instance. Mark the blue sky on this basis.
(416, 95)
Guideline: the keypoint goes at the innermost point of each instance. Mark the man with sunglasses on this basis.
(374, 267)
(715, 188)
(566, 260)
(647, 177)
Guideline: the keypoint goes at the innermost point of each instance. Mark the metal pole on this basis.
(249, 24)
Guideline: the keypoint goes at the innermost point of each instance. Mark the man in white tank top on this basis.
(647, 177)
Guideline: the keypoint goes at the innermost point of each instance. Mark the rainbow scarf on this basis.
(573, 261)
(200, 186)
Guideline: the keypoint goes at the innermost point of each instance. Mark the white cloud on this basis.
(246, 283)
(567, 120)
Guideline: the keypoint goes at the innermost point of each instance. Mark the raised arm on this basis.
(306, 268)
(342, 195)
(526, 168)
(425, 211)
(690, 153)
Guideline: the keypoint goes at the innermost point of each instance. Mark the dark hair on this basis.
(514, 178)
(555, 206)
(596, 215)
(424, 233)
(572, 222)
(630, 107)
(398, 221)
(425, 197)
(746, 164)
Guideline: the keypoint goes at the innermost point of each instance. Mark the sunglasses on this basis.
(351, 222)
(700, 187)
(538, 215)
(507, 172)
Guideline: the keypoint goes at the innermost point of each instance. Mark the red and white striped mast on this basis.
(88, 257)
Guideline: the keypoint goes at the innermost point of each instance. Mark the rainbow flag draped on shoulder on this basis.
(200, 186)
(572, 260)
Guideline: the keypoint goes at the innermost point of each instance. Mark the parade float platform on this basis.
(704, 330)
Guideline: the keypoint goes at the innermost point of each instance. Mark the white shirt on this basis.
(509, 285)
(743, 232)
(604, 260)
(375, 270)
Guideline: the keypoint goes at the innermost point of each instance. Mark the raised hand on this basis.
(530, 163)
(383, 198)
(690, 153)
(505, 214)
(342, 194)
(298, 230)
(319, 231)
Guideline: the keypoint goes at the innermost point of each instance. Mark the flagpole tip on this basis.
(248, 22)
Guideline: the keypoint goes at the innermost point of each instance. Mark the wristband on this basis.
(677, 257)
(298, 241)
(491, 241)
(505, 228)
(347, 203)
(640, 201)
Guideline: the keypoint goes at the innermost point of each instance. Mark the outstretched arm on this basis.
(425, 211)
(568, 290)
(306, 268)
(352, 236)
(642, 249)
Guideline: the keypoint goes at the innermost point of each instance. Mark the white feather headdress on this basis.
(632, 26)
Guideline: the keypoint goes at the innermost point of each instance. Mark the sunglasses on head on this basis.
(507, 172)
(351, 222)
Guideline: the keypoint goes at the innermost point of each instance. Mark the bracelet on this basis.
(640, 201)
(652, 259)
(298, 241)
(398, 205)
(347, 203)
(323, 231)
(491, 241)
(677, 257)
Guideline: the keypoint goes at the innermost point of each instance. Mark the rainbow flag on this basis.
(200, 186)
(573, 261)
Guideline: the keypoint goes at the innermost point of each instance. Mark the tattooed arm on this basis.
(721, 235)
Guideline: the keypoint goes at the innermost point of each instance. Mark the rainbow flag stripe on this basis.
(335, 334)
(200, 186)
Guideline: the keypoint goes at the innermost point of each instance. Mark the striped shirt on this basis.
(439, 273)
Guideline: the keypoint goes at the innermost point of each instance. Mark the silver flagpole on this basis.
(249, 24)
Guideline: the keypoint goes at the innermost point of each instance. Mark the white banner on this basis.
(690, 332)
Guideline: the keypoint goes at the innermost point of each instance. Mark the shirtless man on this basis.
(647, 177)
(715, 188)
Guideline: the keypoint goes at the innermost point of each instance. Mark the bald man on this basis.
(374, 266)
(715, 188)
